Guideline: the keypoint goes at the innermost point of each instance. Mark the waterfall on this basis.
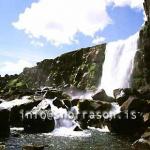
(118, 64)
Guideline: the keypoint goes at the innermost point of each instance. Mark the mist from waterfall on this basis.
(118, 64)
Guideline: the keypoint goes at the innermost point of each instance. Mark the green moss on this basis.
(12, 82)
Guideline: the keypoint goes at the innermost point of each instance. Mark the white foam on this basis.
(16, 129)
(68, 132)
(104, 129)
(17, 102)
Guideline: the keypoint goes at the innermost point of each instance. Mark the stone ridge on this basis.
(80, 69)
(141, 72)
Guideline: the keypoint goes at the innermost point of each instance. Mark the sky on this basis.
(33, 30)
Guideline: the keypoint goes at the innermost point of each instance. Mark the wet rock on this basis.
(17, 113)
(134, 116)
(90, 113)
(4, 122)
(91, 105)
(15, 134)
(127, 123)
(36, 124)
(146, 118)
(1, 101)
(141, 71)
(144, 93)
(80, 68)
(102, 96)
(121, 95)
(39, 119)
(50, 93)
(75, 102)
(67, 104)
(33, 147)
(136, 104)
(2, 147)
(144, 142)
(59, 103)
(78, 128)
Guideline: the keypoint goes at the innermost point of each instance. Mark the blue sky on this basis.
(33, 30)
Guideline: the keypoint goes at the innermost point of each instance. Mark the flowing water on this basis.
(117, 70)
(79, 140)
(118, 64)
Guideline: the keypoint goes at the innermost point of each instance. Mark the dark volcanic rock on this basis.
(12, 87)
(17, 113)
(36, 124)
(75, 102)
(77, 128)
(4, 123)
(136, 104)
(141, 72)
(33, 147)
(39, 119)
(129, 123)
(144, 93)
(2, 147)
(121, 95)
(102, 96)
(59, 103)
(134, 115)
(81, 69)
(144, 142)
(50, 93)
(90, 113)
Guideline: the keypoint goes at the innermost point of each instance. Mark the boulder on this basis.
(146, 118)
(129, 123)
(121, 95)
(4, 122)
(50, 93)
(135, 104)
(2, 146)
(75, 102)
(144, 93)
(36, 124)
(102, 96)
(33, 147)
(39, 119)
(67, 103)
(78, 128)
(134, 115)
(1, 101)
(59, 104)
(90, 112)
(144, 142)
(17, 113)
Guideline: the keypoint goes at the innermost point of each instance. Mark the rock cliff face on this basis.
(141, 73)
(81, 68)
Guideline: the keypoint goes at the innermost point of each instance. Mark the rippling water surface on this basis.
(86, 140)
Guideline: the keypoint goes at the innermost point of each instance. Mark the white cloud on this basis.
(14, 67)
(58, 21)
(132, 3)
(37, 43)
(98, 40)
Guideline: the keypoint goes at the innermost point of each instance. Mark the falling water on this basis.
(118, 64)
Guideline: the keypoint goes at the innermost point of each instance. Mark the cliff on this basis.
(141, 72)
(81, 69)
